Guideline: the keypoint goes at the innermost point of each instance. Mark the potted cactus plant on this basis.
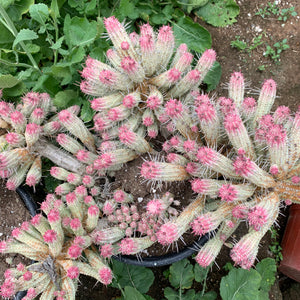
(240, 160)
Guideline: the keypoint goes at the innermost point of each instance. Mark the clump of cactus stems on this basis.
(240, 160)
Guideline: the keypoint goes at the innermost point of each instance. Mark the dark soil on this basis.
(12, 214)
(287, 75)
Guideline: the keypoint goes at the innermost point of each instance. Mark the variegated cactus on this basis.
(142, 73)
(29, 138)
(245, 158)
(57, 244)
(240, 159)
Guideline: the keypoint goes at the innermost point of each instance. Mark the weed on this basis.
(275, 51)
(272, 9)
(238, 44)
(243, 46)
(275, 247)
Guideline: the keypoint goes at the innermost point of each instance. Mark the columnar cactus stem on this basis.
(59, 157)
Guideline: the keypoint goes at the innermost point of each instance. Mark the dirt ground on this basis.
(286, 73)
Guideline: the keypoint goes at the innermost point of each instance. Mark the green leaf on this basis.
(11, 86)
(62, 98)
(240, 284)
(267, 270)
(219, 12)
(181, 274)
(87, 112)
(127, 275)
(127, 9)
(77, 55)
(159, 18)
(192, 4)
(39, 12)
(6, 3)
(212, 295)
(194, 35)
(213, 76)
(6, 37)
(131, 293)
(171, 294)
(25, 35)
(79, 31)
(19, 8)
(33, 48)
(15, 91)
(48, 84)
(8, 81)
(62, 71)
(200, 273)
(58, 43)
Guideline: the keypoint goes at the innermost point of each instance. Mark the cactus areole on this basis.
(239, 160)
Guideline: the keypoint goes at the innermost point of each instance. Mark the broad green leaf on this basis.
(62, 98)
(8, 81)
(192, 4)
(132, 294)
(267, 270)
(158, 19)
(54, 9)
(6, 37)
(77, 55)
(33, 48)
(23, 75)
(6, 3)
(213, 77)
(79, 31)
(62, 71)
(171, 294)
(219, 12)
(39, 12)
(127, 9)
(25, 35)
(212, 295)
(19, 8)
(127, 275)
(240, 284)
(194, 35)
(14, 91)
(181, 274)
(200, 273)
(48, 84)
(87, 112)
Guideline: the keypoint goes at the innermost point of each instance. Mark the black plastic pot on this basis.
(32, 208)
(164, 260)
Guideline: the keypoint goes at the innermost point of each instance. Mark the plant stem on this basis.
(5, 62)
(10, 25)
(59, 157)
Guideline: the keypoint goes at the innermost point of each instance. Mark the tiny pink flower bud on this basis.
(74, 251)
(50, 236)
(73, 272)
(106, 250)
(105, 275)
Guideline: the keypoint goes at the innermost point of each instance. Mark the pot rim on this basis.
(164, 260)
(32, 208)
